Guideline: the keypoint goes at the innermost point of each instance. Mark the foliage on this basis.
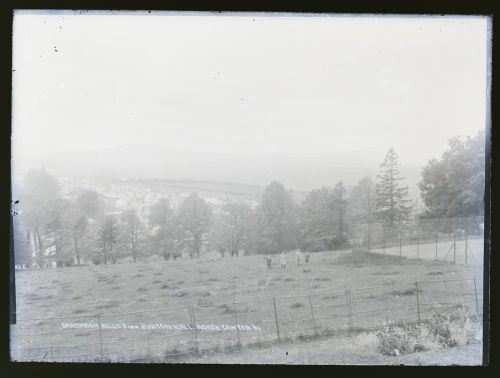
(39, 196)
(231, 227)
(132, 234)
(453, 186)
(163, 240)
(443, 330)
(275, 221)
(316, 219)
(194, 220)
(91, 203)
(107, 237)
(392, 203)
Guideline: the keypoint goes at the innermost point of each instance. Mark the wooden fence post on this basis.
(276, 319)
(418, 302)
(369, 237)
(349, 309)
(312, 314)
(195, 332)
(418, 243)
(465, 247)
(436, 246)
(400, 245)
(445, 295)
(51, 342)
(383, 238)
(236, 324)
(454, 248)
(475, 293)
(101, 351)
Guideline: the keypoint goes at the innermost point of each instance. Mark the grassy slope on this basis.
(127, 287)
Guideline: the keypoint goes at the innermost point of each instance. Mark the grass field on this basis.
(211, 285)
(443, 251)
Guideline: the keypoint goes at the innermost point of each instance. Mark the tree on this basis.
(392, 202)
(453, 186)
(339, 201)
(231, 228)
(316, 220)
(77, 227)
(361, 208)
(276, 226)
(107, 237)
(59, 235)
(91, 203)
(38, 194)
(362, 201)
(194, 219)
(162, 220)
(133, 234)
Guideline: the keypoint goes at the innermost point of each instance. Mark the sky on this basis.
(247, 83)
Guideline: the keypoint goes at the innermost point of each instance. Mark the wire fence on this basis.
(169, 334)
(457, 240)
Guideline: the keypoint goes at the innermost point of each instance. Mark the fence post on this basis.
(383, 238)
(418, 302)
(386, 311)
(236, 324)
(349, 310)
(312, 314)
(52, 341)
(465, 247)
(400, 246)
(195, 332)
(455, 247)
(418, 243)
(276, 319)
(100, 337)
(436, 246)
(369, 237)
(475, 293)
(445, 295)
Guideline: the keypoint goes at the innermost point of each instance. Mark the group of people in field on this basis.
(299, 258)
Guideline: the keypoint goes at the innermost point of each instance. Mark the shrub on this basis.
(97, 260)
(203, 293)
(443, 330)
(411, 291)
(394, 340)
(455, 328)
(110, 304)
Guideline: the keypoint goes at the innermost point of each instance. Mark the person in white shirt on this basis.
(283, 260)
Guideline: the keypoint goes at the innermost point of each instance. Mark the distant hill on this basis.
(301, 172)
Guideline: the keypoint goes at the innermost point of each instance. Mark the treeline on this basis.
(53, 228)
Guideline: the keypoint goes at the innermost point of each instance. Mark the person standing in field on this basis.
(268, 260)
(298, 256)
(283, 260)
(307, 255)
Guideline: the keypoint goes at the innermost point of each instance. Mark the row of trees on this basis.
(87, 228)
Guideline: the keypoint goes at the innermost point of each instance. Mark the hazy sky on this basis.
(247, 83)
